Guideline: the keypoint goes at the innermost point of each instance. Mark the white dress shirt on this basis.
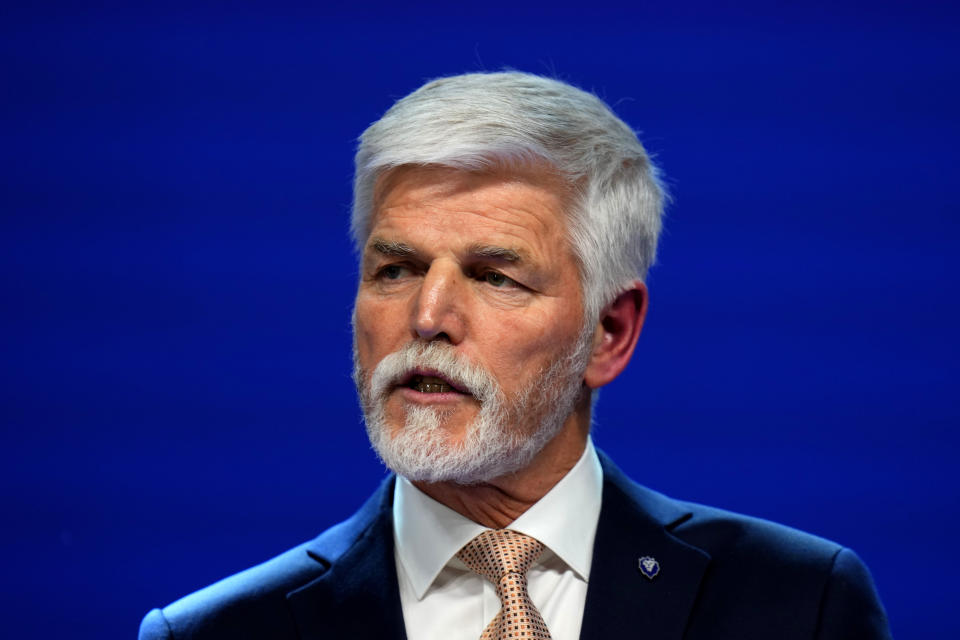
(443, 599)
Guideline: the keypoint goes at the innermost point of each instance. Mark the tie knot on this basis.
(498, 552)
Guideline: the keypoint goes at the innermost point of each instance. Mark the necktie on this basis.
(503, 557)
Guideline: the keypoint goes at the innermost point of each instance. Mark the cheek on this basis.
(519, 346)
(367, 333)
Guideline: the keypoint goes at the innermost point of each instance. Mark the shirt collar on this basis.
(428, 534)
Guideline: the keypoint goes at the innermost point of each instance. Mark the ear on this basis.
(616, 336)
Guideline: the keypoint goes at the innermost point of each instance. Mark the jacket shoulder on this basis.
(724, 535)
(769, 578)
(729, 536)
(253, 603)
(818, 587)
(236, 605)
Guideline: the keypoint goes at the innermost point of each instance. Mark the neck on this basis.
(497, 503)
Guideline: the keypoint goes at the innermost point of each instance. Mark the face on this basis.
(469, 338)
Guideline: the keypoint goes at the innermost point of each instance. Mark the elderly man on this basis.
(505, 224)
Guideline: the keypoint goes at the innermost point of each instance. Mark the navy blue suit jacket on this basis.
(722, 576)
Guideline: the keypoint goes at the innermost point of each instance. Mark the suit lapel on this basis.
(357, 597)
(621, 601)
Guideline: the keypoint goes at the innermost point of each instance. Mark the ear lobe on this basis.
(616, 336)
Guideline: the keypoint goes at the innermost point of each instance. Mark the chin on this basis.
(429, 448)
(447, 435)
(454, 423)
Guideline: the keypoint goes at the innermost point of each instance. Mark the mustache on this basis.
(441, 360)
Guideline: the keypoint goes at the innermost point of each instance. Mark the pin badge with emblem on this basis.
(649, 567)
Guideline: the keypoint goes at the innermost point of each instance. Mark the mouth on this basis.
(430, 382)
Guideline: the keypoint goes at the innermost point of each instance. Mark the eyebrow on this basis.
(403, 250)
(396, 249)
(497, 253)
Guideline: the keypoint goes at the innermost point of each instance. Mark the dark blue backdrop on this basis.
(177, 278)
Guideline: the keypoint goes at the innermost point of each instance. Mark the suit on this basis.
(721, 575)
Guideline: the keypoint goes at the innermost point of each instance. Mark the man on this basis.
(505, 224)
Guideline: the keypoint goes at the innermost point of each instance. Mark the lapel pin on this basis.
(649, 567)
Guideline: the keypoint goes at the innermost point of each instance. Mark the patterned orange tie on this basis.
(503, 557)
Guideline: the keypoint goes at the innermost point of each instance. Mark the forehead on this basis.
(525, 207)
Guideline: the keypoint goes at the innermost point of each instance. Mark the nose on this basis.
(438, 310)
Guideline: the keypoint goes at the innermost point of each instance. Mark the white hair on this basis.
(490, 121)
(504, 436)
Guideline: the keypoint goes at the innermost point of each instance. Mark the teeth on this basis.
(430, 384)
(428, 387)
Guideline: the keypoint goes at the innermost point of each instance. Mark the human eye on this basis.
(498, 280)
(392, 272)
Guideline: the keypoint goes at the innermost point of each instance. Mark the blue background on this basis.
(177, 278)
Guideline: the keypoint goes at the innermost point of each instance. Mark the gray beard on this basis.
(503, 438)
